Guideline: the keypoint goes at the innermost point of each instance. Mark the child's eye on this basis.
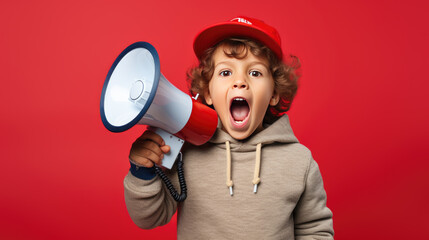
(255, 73)
(225, 73)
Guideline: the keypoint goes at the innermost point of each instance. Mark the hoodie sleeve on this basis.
(148, 202)
(313, 220)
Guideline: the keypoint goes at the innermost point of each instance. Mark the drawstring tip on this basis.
(230, 191)
(255, 188)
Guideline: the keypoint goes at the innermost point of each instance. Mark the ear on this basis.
(274, 99)
(207, 97)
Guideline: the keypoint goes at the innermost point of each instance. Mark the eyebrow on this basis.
(251, 64)
(220, 63)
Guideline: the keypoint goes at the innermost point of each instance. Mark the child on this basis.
(273, 188)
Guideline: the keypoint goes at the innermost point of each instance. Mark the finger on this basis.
(141, 161)
(145, 153)
(165, 148)
(146, 144)
(146, 157)
(150, 135)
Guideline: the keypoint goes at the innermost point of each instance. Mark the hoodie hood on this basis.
(278, 132)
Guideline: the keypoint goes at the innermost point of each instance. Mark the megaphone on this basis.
(136, 92)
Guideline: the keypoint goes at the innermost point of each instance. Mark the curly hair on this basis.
(285, 73)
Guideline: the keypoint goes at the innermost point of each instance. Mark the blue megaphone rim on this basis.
(152, 94)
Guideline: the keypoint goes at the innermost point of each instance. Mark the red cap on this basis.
(238, 27)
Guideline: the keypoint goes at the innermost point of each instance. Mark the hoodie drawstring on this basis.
(256, 178)
(229, 182)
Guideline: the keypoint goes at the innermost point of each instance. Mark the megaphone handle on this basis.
(169, 185)
(175, 144)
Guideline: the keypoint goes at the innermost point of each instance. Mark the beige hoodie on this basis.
(290, 201)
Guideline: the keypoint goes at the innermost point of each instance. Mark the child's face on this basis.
(241, 91)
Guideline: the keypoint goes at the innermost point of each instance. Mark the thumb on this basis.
(165, 149)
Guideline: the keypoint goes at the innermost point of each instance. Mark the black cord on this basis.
(169, 185)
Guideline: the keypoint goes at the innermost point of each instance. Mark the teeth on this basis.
(239, 121)
(239, 99)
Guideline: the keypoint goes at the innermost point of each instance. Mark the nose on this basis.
(240, 83)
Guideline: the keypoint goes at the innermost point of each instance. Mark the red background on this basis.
(361, 108)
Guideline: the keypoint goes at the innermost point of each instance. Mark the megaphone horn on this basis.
(136, 92)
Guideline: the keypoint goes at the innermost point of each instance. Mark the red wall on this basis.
(361, 109)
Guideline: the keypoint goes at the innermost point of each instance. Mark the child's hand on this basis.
(148, 149)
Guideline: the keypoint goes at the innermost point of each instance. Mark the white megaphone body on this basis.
(136, 92)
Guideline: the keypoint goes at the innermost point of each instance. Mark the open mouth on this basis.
(239, 110)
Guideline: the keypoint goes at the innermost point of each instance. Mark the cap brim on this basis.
(218, 32)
